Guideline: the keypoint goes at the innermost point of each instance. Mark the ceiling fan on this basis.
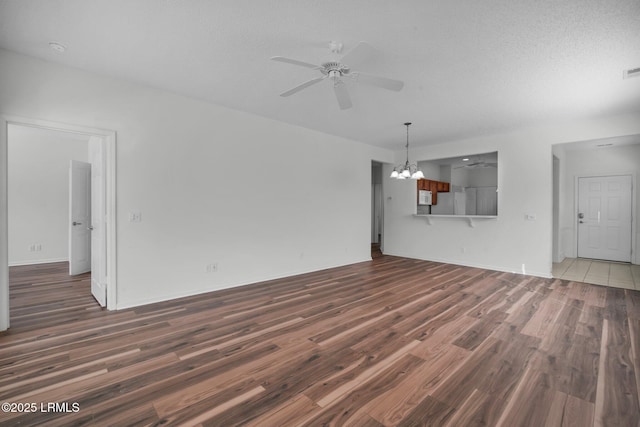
(336, 71)
(478, 164)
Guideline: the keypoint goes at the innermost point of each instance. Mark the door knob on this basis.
(580, 215)
(90, 228)
(76, 223)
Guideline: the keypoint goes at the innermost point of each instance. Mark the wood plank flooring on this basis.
(391, 342)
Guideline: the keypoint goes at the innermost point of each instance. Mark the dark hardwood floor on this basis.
(375, 251)
(389, 342)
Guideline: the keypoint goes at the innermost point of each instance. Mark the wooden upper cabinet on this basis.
(435, 187)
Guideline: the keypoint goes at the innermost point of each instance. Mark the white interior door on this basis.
(98, 221)
(79, 217)
(604, 218)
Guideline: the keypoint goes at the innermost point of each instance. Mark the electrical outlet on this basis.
(212, 268)
(135, 216)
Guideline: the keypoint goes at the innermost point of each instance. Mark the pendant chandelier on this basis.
(408, 170)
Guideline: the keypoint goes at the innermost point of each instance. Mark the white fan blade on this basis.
(344, 100)
(378, 81)
(294, 62)
(358, 54)
(302, 86)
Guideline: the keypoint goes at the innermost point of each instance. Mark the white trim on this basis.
(544, 275)
(64, 127)
(4, 227)
(109, 138)
(176, 295)
(37, 261)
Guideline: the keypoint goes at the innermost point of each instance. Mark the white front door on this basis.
(79, 217)
(604, 218)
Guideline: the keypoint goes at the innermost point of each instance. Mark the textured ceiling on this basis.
(470, 67)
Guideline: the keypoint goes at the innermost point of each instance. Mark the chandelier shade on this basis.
(408, 170)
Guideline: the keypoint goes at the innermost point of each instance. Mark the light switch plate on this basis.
(135, 216)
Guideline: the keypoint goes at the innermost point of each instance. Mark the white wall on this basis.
(38, 179)
(178, 161)
(508, 243)
(624, 160)
(482, 177)
(430, 170)
(260, 198)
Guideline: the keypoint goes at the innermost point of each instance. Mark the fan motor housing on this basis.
(333, 67)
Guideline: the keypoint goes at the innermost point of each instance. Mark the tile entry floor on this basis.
(614, 274)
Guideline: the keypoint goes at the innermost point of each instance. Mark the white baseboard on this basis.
(37, 261)
(121, 305)
(545, 275)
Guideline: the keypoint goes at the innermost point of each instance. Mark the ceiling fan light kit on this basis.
(337, 71)
(408, 170)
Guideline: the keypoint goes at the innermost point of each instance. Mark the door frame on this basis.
(556, 251)
(108, 138)
(381, 201)
(633, 207)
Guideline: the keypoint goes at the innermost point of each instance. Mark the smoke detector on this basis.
(58, 47)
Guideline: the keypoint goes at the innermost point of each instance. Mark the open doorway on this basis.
(38, 193)
(596, 236)
(99, 150)
(377, 214)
